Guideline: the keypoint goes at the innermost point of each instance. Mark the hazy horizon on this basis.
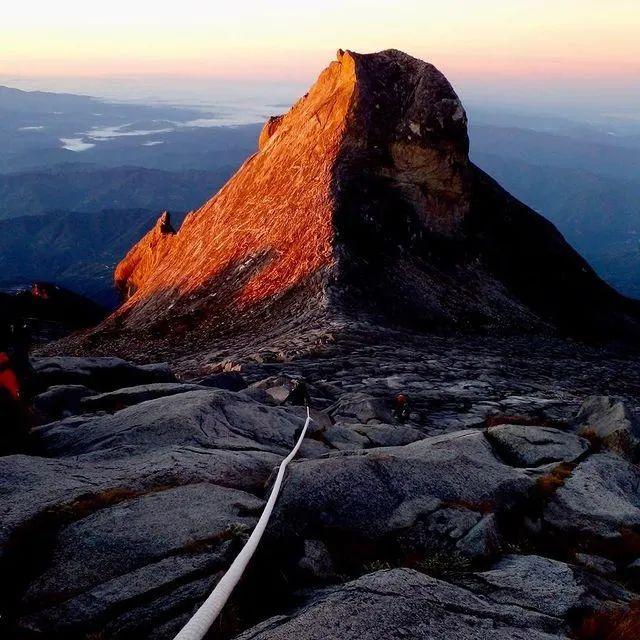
(619, 103)
(564, 58)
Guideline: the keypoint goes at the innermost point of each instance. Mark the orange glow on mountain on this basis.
(268, 229)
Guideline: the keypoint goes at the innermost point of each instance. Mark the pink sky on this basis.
(291, 41)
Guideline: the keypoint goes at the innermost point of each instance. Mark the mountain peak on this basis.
(360, 202)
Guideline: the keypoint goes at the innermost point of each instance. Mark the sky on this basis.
(579, 49)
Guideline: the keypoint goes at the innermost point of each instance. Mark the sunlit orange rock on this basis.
(274, 224)
(360, 202)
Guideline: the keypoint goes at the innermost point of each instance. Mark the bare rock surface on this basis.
(406, 604)
(60, 400)
(172, 533)
(612, 421)
(206, 418)
(121, 398)
(124, 521)
(600, 499)
(532, 446)
(361, 203)
(430, 492)
(101, 374)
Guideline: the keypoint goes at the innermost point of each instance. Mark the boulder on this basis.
(361, 408)
(209, 418)
(389, 435)
(483, 540)
(427, 494)
(597, 564)
(316, 561)
(101, 374)
(533, 446)
(37, 492)
(598, 500)
(229, 380)
(120, 398)
(60, 400)
(364, 436)
(545, 585)
(130, 549)
(345, 438)
(612, 422)
(534, 582)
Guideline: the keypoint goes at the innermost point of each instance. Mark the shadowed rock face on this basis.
(360, 200)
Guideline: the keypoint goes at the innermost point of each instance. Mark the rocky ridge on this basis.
(360, 204)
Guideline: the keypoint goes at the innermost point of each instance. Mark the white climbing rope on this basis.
(205, 616)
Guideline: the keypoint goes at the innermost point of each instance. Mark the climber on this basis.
(299, 394)
(20, 343)
(14, 389)
(401, 408)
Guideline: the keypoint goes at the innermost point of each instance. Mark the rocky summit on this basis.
(361, 252)
(360, 202)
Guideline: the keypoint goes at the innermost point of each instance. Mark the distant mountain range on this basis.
(89, 188)
(76, 250)
(615, 160)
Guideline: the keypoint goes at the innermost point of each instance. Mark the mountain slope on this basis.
(598, 215)
(360, 203)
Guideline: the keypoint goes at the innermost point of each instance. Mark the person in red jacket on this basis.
(401, 409)
(14, 389)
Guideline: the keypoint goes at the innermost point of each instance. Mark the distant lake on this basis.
(75, 144)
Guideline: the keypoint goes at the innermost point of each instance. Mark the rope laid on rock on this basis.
(205, 616)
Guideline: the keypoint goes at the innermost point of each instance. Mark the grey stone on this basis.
(229, 380)
(32, 487)
(533, 446)
(401, 603)
(208, 418)
(60, 400)
(597, 564)
(345, 438)
(316, 560)
(140, 544)
(361, 408)
(534, 582)
(599, 498)
(120, 398)
(373, 493)
(102, 374)
(386, 435)
(612, 422)
(482, 540)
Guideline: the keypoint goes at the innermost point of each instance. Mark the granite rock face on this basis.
(532, 446)
(360, 203)
(612, 421)
(485, 513)
(405, 604)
